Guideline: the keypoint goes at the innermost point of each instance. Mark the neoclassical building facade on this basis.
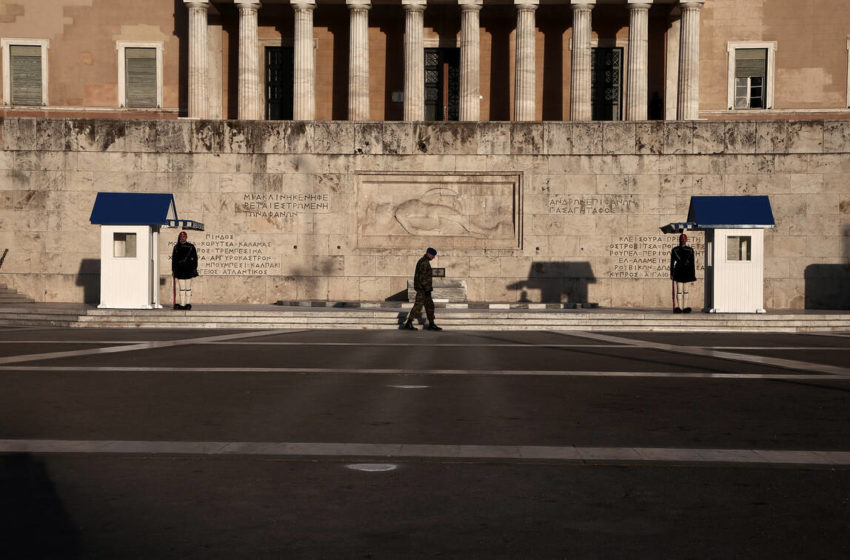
(538, 145)
(464, 60)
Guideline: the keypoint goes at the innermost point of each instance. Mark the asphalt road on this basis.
(388, 444)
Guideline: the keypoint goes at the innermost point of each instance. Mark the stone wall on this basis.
(341, 211)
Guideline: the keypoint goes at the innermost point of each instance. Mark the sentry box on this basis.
(734, 249)
(129, 246)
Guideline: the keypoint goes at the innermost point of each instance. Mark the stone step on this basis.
(262, 317)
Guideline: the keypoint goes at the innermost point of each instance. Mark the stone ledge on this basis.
(421, 138)
(437, 304)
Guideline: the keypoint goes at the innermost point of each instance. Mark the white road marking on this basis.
(140, 346)
(638, 344)
(710, 353)
(398, 371)
(408, 386)
(372, 467)
(415, 451)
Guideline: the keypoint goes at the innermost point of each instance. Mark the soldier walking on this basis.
(423, 284)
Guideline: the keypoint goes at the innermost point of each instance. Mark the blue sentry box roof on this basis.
(731, 212)
(133, 209)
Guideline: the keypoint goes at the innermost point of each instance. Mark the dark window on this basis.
(750, 78)
(280, 77)
(25, 74)
(140, 76)
(606, 69)
(442, 84)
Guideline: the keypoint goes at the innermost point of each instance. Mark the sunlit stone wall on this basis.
(557, 211)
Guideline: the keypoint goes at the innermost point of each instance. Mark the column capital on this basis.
(354, 4)
(197, 3)
(413, 4)
(247, 5)
(639, 4)
(470, 4)
(691, 4)
(303, 4)
(530, 4)
(583, 3)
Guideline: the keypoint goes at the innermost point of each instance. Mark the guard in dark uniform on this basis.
(423, 284)
(682, 273)
(184, 267)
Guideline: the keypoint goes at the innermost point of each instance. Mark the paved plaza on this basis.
(286, 443)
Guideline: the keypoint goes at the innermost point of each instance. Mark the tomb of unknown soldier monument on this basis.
(537, 146)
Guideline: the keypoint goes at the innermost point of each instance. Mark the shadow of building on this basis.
(557, 282)
(89, 278)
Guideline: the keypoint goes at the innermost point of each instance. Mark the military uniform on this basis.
(682, 264)
(184, 267)
(682, 272)
(423, 277)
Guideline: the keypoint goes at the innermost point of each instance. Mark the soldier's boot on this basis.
(407, 326)
(432, 326)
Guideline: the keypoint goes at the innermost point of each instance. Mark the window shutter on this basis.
(140, 79)
(25, 74)
(750, 63)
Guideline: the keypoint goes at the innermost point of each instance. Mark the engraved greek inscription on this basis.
(283, 205)
(228, 254)
(646, 256)
(593, 204)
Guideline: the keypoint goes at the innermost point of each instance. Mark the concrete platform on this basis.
(383, 315)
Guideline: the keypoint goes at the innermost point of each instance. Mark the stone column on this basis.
(414, 60)
(358, 60)
(671, 72)
(470, 60)
(249, 106)
(688, 104)
(525, 67)
(304, 86)
(580, 104)
(198, 67)
(637, 100)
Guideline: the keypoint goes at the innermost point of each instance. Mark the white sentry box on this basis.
(734, 270)
(129, 267)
